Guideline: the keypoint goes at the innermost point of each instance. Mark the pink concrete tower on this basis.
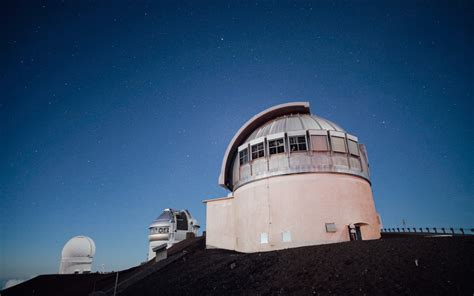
(296, 179)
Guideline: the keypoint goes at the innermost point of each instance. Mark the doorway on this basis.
(354, 232)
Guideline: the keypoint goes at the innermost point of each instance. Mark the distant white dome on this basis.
(79, 246)
(77, 255)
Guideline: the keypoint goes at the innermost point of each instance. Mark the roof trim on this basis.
(246, 130)
(218, 199)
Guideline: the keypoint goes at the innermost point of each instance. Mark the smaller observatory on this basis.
(77, 255)
(169, 228)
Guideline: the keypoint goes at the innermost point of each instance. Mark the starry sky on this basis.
(111, 111)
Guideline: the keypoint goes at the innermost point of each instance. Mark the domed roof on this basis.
(282, 122)
(164, 219)
(294, 122)
(79, 246)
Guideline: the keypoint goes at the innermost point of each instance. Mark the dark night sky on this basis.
(110, 111)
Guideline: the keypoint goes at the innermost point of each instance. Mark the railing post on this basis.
(116, 281)
(436, 231)
(462, 230)
(452, 230)
(443, 229)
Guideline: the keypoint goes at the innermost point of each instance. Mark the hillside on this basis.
(415, 266)
(396, 266)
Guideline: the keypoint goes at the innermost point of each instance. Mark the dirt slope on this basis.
(395, 266)
(399, 266)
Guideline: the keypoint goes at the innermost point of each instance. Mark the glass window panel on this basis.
(244, 156)
(338, 144)
(258, 151)
(276, 146)
(319, 143)
(353, 147)
(298, 143)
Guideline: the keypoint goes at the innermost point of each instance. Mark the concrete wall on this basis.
(295, 206)
(73, 265)
(220, 231)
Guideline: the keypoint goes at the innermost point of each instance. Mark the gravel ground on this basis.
(398, 266)
(395, 266)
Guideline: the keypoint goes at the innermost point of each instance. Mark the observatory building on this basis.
(169, 228)
(296, 179)
(77, 255)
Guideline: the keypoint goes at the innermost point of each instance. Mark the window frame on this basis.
(259, 151)
(277, 147)
(341, 136)
(319, 133)
(298, 143)
(355, 140)
(244, 156)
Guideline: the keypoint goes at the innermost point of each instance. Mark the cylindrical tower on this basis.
(296, 179)
(160, 231)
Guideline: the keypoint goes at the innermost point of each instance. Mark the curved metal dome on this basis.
(288, 139)
(294, 122)
(79, 246)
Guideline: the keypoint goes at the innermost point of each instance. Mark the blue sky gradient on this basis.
(112, 111)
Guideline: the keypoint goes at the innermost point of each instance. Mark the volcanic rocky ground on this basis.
(390, 266)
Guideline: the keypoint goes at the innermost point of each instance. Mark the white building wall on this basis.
(220, 219)
(75, 265)
(292, 211)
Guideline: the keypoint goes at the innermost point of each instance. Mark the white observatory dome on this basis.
(79, 246)
(77, 255)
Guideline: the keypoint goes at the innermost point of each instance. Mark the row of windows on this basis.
(319, 143)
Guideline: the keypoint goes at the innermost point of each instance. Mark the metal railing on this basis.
(430, 230)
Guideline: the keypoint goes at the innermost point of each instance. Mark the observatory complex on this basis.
(77, 255)
(170, 227)
(296, 179)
